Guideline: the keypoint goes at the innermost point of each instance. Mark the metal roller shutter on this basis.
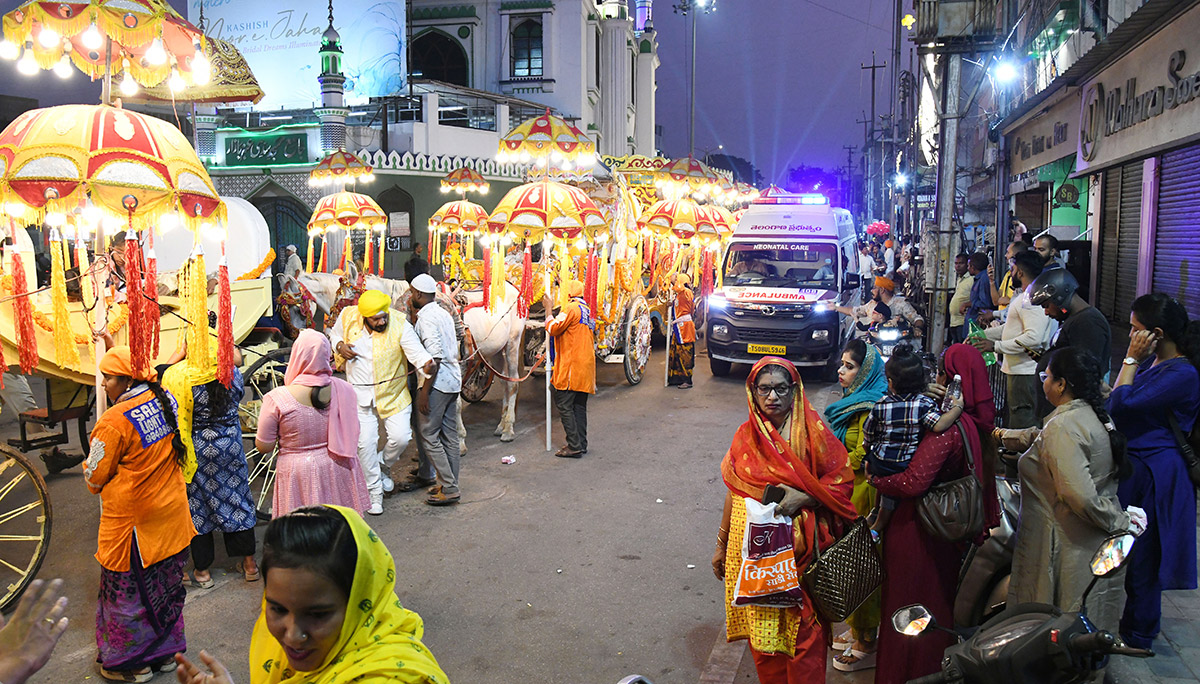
(1177, 240)
(1109, 212)
(1128, 238)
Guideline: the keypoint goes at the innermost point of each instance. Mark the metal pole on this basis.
(946, 187)
(100, 286)
(106, 88)
(692, 89)
(547, 312)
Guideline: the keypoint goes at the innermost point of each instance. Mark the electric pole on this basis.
(849, 176)
(871, 136)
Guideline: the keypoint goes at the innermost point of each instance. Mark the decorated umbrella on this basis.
(144, 39)
(464, 179)
(746, 192)
(92, 165)
(546, 211)
(341, 167)
(344, 211)
(458, 216)
(547, 140)
(688, 176)
(232, 80)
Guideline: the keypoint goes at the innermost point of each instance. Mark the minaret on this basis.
(643, 15)
(333, 111)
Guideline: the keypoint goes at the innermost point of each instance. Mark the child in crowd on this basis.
(897, 423)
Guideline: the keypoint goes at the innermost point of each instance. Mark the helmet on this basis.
(1055, 286)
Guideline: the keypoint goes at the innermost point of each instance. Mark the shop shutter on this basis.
(1109, 212)
(1177, 240)
(1128, 238)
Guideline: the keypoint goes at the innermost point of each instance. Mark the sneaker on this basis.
(388, 485)
(143, 675)
(375, 509)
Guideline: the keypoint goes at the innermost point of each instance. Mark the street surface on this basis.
(550, 570)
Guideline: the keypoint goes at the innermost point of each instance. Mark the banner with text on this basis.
(281, 44)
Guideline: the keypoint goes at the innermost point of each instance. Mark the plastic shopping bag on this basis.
(975, 332)
(768, 575)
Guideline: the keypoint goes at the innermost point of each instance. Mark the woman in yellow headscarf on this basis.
(330, 613)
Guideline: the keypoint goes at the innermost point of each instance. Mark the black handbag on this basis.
(841, 577)
(1190, 459)
(953, 511)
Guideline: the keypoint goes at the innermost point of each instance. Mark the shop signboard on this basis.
(1045, 138)
(281, 42)
(256, 149)
(1147, 101)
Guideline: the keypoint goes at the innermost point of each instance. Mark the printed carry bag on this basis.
(768, 576)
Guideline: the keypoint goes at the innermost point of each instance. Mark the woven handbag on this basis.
(843, 576)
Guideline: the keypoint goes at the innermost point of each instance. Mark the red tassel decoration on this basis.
(593, 274)
(368, 256)
(487, 275)
(526, 293)
(653, 257)
(27, 346)
(139, 333)
(224, 323)
(345, 252)
(324, 253)
(153, 320)
(706, 278)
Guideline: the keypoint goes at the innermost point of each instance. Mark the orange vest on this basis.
(685, 306)
(132, 466)
(574, 349)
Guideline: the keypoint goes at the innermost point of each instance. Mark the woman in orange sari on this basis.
(784, 443)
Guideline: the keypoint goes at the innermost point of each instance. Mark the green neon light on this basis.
(269, 132)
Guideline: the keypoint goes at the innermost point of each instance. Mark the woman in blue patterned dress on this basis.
(219, 489)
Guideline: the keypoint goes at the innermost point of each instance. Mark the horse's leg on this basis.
(462, 429)
(512, 368)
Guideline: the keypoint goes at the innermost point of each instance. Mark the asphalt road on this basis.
(550, 570)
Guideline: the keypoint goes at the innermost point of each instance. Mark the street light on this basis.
(1006, 72)
(686, 8)
(900, 180)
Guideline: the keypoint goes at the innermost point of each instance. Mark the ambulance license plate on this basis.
(774, 349)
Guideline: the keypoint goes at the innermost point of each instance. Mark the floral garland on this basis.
(261, 268)
(45, 323)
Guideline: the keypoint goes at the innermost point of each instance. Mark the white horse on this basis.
(497, 334)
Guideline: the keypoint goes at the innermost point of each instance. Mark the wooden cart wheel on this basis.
(25, 517)
(261, 377)
(477, 380)
(637, 340)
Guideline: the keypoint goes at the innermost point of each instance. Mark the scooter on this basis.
(886, 337)
(1030, 643)
(983, 580)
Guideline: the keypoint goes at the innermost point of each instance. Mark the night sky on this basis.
(778, 80)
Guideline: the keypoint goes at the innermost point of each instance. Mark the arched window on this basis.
(438, 57)
(527, 49)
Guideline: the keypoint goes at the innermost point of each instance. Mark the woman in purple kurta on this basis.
(1158, 378)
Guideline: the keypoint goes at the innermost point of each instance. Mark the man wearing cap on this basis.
(889, 257)
(293, 266)
(437, 401)
(573, 352)
(377, 348)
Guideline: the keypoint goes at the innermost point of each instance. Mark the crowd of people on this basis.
(1096, 454)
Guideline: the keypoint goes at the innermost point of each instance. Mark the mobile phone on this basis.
(772, 494)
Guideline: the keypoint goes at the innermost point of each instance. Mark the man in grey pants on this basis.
(437, 401)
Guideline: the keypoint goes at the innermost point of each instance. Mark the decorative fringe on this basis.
(706, 279)
(525, 297)
(697, 260)
(23, 318)
(487, 277)
(224, 323)
(139, 350)
(564, 271)
(368, 254)
(498, 279)
(469, 252)
(66, 354)
(324, 253)
(152, 313)
(196, 309)
(347, 252)
(602, 282)
(432, 240)
(308, 265)
(589, 287)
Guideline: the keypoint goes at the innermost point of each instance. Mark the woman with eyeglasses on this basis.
(1069, 474)
(785, 444)
(1158, 384)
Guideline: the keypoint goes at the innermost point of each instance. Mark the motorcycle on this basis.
(887, 336)
(1031, 642)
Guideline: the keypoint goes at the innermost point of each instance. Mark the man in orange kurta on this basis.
(574, 376)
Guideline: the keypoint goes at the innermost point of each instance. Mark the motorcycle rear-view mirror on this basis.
(1112, 554)
(912, 620)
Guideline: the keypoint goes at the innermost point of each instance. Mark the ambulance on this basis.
(791, 260)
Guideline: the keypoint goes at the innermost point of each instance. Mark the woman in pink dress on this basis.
(314, 420)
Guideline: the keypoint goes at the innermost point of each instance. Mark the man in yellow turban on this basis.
(573, 349)
(377, 348)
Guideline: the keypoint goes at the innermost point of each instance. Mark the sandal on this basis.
(167, 664)
(568, 452)
(250, 576)
(143, 675)
(203, 583)
(843, 641)
(853, 661)
(442, 499)
(413, 483)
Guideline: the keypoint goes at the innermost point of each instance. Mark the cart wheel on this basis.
(262, 480)
(261, 377)
(535, 345)
(476, 381)
(637, 340)
(25, 517)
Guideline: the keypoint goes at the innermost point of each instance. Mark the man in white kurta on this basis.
(377, 348)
